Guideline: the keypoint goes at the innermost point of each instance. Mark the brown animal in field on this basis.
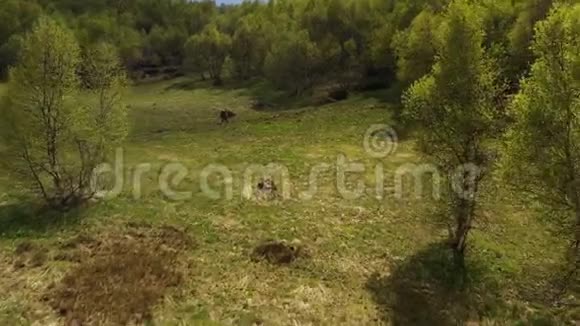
(226, 115)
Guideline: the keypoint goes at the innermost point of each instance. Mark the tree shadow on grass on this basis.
(26, 219)
(426, 289)
(185, 85)
(264, 96)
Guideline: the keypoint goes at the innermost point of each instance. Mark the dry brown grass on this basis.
(120, 277)
(28, 254)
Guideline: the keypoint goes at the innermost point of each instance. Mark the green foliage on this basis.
(415, 47)
(360, 41)
(167, 44)
(542, 157)
(129, 42)
(148, 33)
(292, 61)
(9, 54)
(250, 46)
(15, 17)
(209, 50)
(104, 118)
(381, 54)
(522, 33)
(457, 96)
(104, 27)
(40, 110)
(56, 136)
(454, 107)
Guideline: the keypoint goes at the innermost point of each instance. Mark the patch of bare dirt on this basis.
(278, 252)
(120, 276)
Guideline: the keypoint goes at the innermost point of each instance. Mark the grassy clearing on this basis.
(369, 261)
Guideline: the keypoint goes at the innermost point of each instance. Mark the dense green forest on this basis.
(295, 44)
(487, 92)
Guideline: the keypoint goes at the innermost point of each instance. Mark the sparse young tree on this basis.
(209, 50)
(542, 156)
(101, 124)
(57, 133)
(454, 107)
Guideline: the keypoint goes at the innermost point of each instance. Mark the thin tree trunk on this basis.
(35, 175)
(464, 218)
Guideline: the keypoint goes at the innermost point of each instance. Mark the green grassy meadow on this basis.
(368, 261)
